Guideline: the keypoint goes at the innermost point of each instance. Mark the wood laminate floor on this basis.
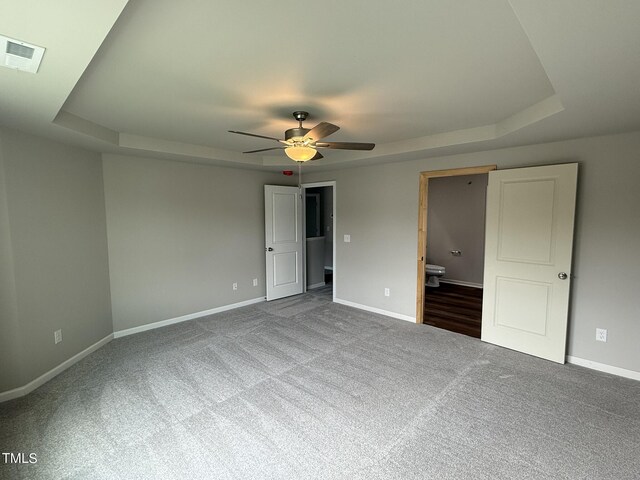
(455, 308)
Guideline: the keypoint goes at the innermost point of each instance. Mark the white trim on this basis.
(399, 316)
(316, 285)
(331, 183)
(45, 377)
(603, 367)
(461, 282)
(184, 318)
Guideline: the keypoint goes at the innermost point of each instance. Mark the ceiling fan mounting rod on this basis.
(300, 116)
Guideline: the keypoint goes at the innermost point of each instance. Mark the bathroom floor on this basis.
(455, 308)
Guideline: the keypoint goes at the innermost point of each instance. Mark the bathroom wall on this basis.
(455, 221)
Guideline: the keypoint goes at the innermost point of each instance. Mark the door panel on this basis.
(511, 294)
(284, 218)
(283, 241)
(526, 221)
(529, 240)
(284, 268)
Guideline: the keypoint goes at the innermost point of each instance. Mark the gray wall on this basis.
(327, 224)
(10, 347)
(378, 207)
(455, 221)
(315, 261)
(180, 234)
(56, 248)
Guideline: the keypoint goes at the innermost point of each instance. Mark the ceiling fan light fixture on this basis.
(302, 143)
(300, 153)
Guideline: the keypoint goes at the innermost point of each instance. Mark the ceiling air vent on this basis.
(20, 55)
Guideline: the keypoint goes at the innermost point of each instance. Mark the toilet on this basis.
(434, 272)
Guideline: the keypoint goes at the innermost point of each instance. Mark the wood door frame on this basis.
(422, 223)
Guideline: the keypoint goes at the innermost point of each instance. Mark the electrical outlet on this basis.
(387, 292)
(57, 336)
(347, 238)
(255, 282)
(601, 334)
(235, 286)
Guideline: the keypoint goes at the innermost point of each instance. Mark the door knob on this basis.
(562, 276)
(269, 249)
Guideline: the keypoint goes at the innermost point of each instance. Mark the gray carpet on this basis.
(302, 388)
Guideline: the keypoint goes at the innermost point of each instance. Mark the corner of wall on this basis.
(10, 356)
(53, 254)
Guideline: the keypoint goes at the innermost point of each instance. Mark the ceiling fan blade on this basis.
(346, 145)
(321, 130)
(253, 135)
(265, 149)
(317, 156)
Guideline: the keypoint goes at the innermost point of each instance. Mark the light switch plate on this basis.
(347, 238)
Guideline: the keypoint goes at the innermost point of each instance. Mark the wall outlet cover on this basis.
(347, 238)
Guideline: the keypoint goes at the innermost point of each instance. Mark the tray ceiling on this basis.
(158, 78)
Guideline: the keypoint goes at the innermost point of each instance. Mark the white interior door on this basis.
(529, 239)
(283, 241)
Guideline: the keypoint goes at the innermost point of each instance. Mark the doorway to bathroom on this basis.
(451, 249)
(319, 228)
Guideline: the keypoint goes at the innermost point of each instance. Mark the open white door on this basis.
(283, 241)
(529, 240)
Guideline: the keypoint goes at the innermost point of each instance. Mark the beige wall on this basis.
(378, 207)
(179, 235)
(56, 245)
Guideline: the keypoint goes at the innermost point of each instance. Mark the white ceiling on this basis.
(168, 79)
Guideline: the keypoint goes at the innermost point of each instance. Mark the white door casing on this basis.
(528, 247)
(283, 241)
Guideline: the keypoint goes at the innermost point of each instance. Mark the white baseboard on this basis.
(461, 282)
(602, 367)
(316, 285)
(184, 318)
(399, 316)
(44, 378)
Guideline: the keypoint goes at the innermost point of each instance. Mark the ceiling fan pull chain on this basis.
(300, 176)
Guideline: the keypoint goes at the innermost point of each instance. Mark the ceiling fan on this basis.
(301, 144)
